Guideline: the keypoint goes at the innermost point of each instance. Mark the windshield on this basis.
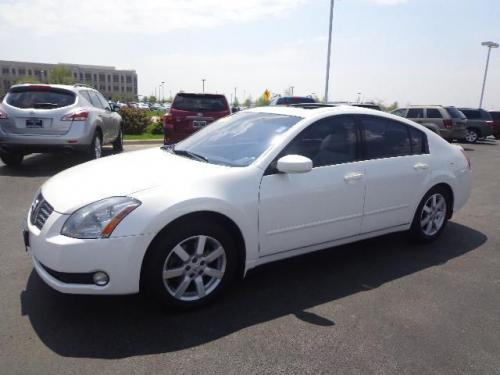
(239, 139)
(200, 103)
(39, 97)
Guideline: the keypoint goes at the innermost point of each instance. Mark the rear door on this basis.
(397, 168)
(102, 115)
(37, 110)
(112, 123)
(435, 117)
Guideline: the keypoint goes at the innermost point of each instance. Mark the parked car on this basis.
(255, 187)
(356, 104)
(448, 122)
(51, 118)
(143, 106)
(190, 112)
(495, 115)
(285, 100)
(479, 124)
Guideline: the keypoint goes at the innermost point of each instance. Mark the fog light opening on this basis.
(101, 278)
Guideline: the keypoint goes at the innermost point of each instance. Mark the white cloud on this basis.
(132, 16)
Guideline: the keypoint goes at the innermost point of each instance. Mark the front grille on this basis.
(40, 211)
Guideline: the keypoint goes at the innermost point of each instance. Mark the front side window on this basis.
(415, 113)
(329, 141)
(384, 138)
(471, 114)
(237, 140)
(433, 113)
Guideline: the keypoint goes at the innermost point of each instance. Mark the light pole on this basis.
(203, 84)
(235, 95)
(291, 89)
(490, 45)
(163, 92)
(332, 3)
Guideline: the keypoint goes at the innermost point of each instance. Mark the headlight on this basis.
(99, 219)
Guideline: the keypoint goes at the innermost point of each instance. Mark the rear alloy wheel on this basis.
(12, 159)
(95, 149)
(472, 135)
(189, 265)
(431, 216)
(118, 143)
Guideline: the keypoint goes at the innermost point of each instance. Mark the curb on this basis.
(143, 142)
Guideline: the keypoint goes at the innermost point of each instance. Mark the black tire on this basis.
(12, 159)
(161, 252)
(118, 142)
(96, 144)
(417, 231)
(472, 135)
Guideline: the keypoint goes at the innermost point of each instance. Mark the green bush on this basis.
(135, 121)
(155, 128)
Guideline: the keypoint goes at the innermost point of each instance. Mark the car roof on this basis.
(311, 112)
(75, 87)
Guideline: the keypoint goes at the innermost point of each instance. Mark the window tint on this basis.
(471, 114)
(433, 113)
(200, 103)
(327, 142)
(455, 113)
(418, 142)
(95, 100)
(39, 97)
(415, 113)
(385, 138)
(495, 115)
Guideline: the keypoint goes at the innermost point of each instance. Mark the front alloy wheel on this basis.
(194, 268)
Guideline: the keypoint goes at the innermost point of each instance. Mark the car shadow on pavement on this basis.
(46, 165)
(124, 326)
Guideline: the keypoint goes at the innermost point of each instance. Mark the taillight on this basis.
(81, 115)
(3, 115)
(448, 124)
(466, 158)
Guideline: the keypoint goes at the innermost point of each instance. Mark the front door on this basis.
(325, 204)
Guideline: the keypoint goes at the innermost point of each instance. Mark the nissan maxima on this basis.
(182, 222)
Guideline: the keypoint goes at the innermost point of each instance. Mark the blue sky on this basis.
(413, 51)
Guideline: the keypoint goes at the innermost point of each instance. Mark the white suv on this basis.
(51, 118)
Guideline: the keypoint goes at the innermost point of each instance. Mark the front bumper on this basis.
(54, 254)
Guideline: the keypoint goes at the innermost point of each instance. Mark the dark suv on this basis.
(191, 112)
(286, 100)
(479, 124)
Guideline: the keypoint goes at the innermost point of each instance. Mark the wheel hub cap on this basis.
(433, 214)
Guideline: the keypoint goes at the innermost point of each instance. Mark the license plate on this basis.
(34, 123)
(199, 124)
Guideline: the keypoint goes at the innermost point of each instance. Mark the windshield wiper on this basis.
(187, 153)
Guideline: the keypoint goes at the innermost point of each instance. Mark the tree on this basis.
(61, 74)
(27, 79)
(236, 103)
(261, 102)
(248, 102)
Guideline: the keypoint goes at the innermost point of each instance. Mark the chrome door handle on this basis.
(353, 176)
(421, 166)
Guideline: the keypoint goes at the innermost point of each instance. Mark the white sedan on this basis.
(265, 184)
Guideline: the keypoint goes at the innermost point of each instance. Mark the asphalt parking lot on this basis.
(378, 306)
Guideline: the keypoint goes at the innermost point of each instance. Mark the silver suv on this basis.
(448, 122)
(51, 118)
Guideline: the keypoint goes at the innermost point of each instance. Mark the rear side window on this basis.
(42, 97)
(200, 103)
(415, 113)
(471, 114)
(418, 142)
(433, 113)
(455, 113)
(385, 138)
(86, 96)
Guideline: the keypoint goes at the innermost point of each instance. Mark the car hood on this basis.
(122, 175)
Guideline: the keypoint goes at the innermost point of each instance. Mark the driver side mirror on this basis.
(294, 164)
